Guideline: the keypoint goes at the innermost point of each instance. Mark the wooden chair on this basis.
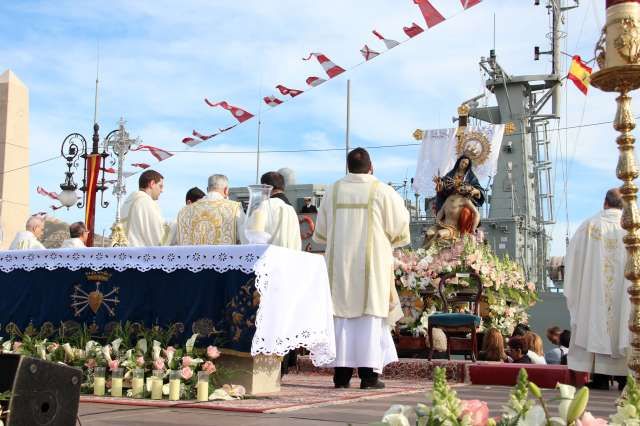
(458, 322)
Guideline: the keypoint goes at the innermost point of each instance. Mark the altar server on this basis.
(78, 234)
(29, 239)
(141, 214)
(361, 220)
(596, 293)
(212, 220)
(283, 222)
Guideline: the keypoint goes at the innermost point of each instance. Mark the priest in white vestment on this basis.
(29, 239)
(141, 215)
(362, 220)
(282, 220)
(596, 293)
(78, 234)
(212, 220)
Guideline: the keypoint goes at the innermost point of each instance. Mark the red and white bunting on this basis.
(413, 30)
(204, 137)
(109, 169)
(141, 165)
(272, 101)
(40, 190)
(226, 129)
(159, 153)
(238, 113)
(54, 208)
(286, 91)
(315, 81)
(387, 42)
(329, 67)
(469, 3)
(431, 15)
(128, 174)
(191, 142)
(368, 53)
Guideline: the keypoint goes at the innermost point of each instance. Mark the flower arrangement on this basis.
(526, 407)
(143, 355)
(505, 289)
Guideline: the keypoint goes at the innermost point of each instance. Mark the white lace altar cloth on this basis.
(295, 300)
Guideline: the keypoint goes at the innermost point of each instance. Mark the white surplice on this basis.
(361, 220)
(73, 243)
(596, 293)
(282, 223)
(143, 221)
(25, 240)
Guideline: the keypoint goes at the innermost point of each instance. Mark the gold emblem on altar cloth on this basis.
(474, 145)
(93, 298)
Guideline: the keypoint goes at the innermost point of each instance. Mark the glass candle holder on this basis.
(98, 381)
(156, 384)
(137, 383)
(203, 386)
(116, 382)
(174, 385)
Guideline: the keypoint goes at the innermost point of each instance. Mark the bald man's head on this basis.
(613, 199)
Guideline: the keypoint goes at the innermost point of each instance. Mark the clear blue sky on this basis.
(160, 58)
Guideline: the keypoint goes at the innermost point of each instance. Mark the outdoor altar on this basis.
(251, 302)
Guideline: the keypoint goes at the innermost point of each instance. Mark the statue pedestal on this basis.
(259, 375)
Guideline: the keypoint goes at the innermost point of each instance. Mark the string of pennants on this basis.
(431, 15)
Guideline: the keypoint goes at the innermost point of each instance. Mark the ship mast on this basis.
(522, 192)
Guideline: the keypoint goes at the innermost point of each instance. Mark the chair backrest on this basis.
(470, 295)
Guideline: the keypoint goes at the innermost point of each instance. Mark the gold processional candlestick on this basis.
(618, 57)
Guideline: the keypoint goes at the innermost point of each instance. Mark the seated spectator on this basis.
(535, 352)
(565, 340)
(518, 350)
(520, 330)
(553, 335)
(493, 347)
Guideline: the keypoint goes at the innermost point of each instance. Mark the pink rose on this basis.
(90, 363)
(208, 367)
(186, 361)
(477, 410)
(53, 347)
(587, 419)
(213, 352)
(113, 364)
(170, 349)
(186, 373)
(158, 364)
(16, 346)
(140, 361)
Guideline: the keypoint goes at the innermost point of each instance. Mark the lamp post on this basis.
(74, 147)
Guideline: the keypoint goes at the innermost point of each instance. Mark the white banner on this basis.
(438, 155)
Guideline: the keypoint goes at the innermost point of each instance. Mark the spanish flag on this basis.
(580, 74)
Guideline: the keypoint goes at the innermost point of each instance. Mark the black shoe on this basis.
(622, 382)
(378, 384)
(342, 386)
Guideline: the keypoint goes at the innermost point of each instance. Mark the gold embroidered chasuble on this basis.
(209, 222)
(361, 220)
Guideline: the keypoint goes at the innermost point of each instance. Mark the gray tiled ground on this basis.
(364, 412)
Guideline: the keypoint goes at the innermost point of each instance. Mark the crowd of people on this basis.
(525, 346)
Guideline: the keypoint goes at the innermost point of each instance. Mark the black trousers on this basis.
(342, 375)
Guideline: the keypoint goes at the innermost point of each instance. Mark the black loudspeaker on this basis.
(42, 392)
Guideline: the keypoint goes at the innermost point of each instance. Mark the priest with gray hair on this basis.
(212, 220)
(29, 239)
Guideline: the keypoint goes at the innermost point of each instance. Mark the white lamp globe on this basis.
(68, 197)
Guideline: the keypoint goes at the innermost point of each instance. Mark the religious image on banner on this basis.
(440, 149)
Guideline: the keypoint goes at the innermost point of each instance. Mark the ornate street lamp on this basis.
(74, 146)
